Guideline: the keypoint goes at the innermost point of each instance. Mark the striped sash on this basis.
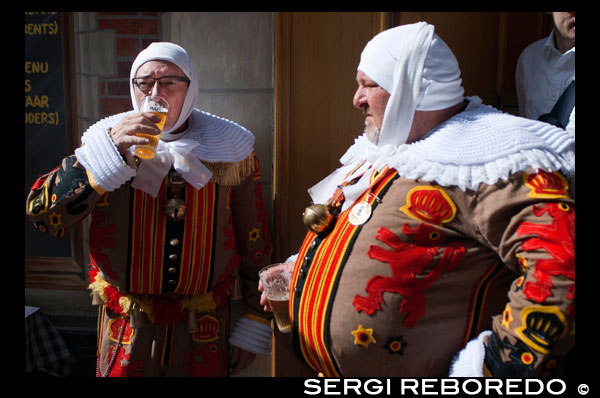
(151, 234)
(316, 276)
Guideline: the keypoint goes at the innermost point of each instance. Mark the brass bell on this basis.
(137, 318)
(317, 218)
(175, 209)
(191, 324)
(236, 292)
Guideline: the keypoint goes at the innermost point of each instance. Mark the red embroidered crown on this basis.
(430, 204)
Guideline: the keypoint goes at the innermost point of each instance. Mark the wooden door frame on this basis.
(284, 361)
(281, 123)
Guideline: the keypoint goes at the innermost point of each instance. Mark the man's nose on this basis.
(156, 88)
(359, 100)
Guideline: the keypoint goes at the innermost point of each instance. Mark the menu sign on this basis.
(45, 128)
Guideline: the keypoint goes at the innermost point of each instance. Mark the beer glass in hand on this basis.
(159, 106)
(275, 280)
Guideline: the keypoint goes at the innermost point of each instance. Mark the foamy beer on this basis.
(276, 279)
(159, 106)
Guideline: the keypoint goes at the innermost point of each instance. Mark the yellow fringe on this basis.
(201, 303)
(232, 173)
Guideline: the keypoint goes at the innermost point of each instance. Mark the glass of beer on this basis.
(276, 279)
(159, 106)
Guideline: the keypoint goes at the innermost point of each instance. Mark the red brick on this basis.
(127, 47)
(147, 42)
(130, 26)
(116, 88)
(111, 106)
(124, 68)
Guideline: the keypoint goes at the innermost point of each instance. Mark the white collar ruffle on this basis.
(478, 145)
(209, 138)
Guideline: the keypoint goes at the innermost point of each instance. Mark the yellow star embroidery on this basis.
(363, 336)
(55, 219)
(254, 234)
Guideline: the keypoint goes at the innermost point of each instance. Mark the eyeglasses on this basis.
(145, 84)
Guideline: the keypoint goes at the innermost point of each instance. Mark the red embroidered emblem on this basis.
(208, 329)
(558, 240)
(546, 185)
(407, 261)
(114, 327)
(429, 204)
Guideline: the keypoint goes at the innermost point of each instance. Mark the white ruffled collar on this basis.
(209, 138)
(478, 145)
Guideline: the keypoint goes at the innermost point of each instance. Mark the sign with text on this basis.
(45, 124)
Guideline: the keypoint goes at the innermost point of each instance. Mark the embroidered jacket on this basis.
(151, 272)
(436, 264)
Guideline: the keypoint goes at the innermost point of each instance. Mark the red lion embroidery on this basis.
(558, 240)
(407, 261)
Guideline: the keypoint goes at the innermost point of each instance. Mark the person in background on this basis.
(546, 68)
(444, 244)
(173, 239)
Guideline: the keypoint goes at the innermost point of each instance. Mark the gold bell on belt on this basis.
(317, 218)
(236, 292)
(175, 209)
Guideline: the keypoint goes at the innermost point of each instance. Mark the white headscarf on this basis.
(175, 150)
(420, 72)
(163, 51)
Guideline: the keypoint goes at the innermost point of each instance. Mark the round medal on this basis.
(360, 213)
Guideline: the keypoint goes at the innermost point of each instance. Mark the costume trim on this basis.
(160, 309)
(395, 345)
(487, 146)
(407, 262)
(258, 319)
(429, 204)
(225, 145)
(232, 173)
(93, 183)
(469, 361)
(558, 240)
(167, 346)
(41, 203)
(311, 308)
(148, 239)
(542, 326)
(114, 326)
(479, 300)
(546, 185)
(363, 336)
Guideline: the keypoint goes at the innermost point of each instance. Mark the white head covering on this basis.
(420, 72)
(175, 54)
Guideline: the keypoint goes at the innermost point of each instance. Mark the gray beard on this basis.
(372, 133)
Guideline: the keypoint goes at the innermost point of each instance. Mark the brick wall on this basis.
(134, 31)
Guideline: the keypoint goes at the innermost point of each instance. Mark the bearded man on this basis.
(450, 248)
